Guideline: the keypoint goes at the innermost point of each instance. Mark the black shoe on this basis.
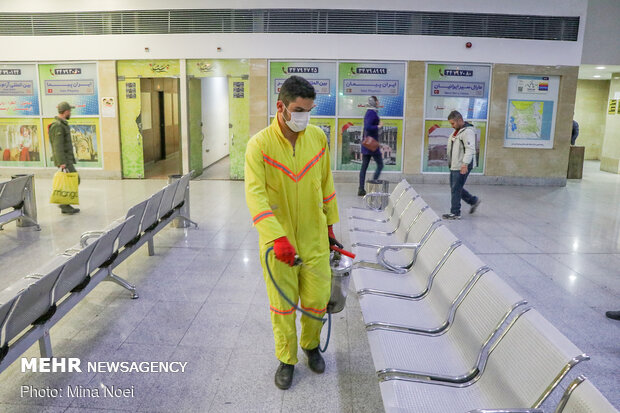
(68, 209)
(475, 206)
(614, 315)
(284, 375)
(451, 216)
(361, 192)
(315, 360)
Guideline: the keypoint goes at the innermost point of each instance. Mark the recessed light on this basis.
(596, 76)
(600, 67)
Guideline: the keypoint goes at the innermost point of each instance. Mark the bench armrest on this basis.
(397, 247)
(87, 236)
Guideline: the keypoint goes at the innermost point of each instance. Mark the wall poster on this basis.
(322, 76)
(85, 138)
(357, 81)
(360, 80)
(20, 142)
(461, 87)
(75, 83)
(531, 111)
(19, 91)
(350, 139)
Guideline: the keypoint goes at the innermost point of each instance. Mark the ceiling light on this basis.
(600, 67)
(596, 76)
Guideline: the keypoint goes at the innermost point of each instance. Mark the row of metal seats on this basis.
(446, 333)
(33, 304)
(17, 201)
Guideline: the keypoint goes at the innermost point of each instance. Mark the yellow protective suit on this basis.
(290, 192)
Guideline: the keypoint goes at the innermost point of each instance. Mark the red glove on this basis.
(332, 237)
(284, 251)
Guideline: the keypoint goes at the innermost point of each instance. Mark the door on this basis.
(215, 119)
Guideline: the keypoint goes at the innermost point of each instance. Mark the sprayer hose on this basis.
(304, 312)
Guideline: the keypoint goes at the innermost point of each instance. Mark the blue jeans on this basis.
(365, 162)
(457, 181)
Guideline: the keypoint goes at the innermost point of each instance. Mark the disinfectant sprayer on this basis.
(341, 262)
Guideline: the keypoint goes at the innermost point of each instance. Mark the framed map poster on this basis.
(531, 111)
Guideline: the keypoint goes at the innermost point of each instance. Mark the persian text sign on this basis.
(321, 86)
(16, 87)
(69, 87)
(458, 89)
(370, 87)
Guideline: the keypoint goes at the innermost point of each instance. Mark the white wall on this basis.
(602, 33)
(303, 46)
(215, 119)
(288, 46)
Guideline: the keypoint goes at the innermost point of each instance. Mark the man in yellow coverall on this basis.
(290, 193)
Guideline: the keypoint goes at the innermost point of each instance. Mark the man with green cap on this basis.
(62, 147)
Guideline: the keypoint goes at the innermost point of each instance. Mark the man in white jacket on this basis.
(461, 159)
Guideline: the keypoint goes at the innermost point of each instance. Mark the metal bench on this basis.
(34, 304)
(458, 353)
(387, 214)
(524, 366)
(18, 195)
(414, 281)
(416, 226)
(433, 312)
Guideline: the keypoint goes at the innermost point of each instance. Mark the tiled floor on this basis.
(161, 169)
(202, 297)
(218, 170)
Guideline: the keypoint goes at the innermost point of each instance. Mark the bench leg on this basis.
(45, 345)
(151, 247)
(123, 283)
(189, 221)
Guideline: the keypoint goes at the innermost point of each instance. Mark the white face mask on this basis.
(299, 120)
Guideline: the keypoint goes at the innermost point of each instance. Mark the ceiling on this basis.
(588, 72)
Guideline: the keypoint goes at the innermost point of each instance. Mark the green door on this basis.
(195, 126)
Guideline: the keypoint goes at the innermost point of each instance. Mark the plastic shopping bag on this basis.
(65, 188)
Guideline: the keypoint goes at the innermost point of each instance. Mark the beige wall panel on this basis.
(258, 95)
(110, 133)
(414, 118)
(591, 114)
(610, 156)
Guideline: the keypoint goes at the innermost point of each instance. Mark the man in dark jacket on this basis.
(62, 147)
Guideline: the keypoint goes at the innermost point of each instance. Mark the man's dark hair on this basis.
(455, 114)
(296, 87)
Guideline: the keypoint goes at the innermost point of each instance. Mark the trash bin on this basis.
(341, 273)
(379, 186)
(179, 222)
(30, 202)
(575, 162)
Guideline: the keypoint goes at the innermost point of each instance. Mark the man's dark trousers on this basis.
(457, 181)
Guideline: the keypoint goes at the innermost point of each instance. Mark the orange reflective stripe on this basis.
(279, 166)
(288, 172)
(262, 215)
(314, 310)
(275, 310)
(310, 164)
(329, 198)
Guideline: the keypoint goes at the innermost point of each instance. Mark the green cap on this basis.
(63, 106)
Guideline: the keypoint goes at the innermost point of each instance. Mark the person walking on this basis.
(461, 151)
(62, 146)
(372, 123)
(290, 193)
